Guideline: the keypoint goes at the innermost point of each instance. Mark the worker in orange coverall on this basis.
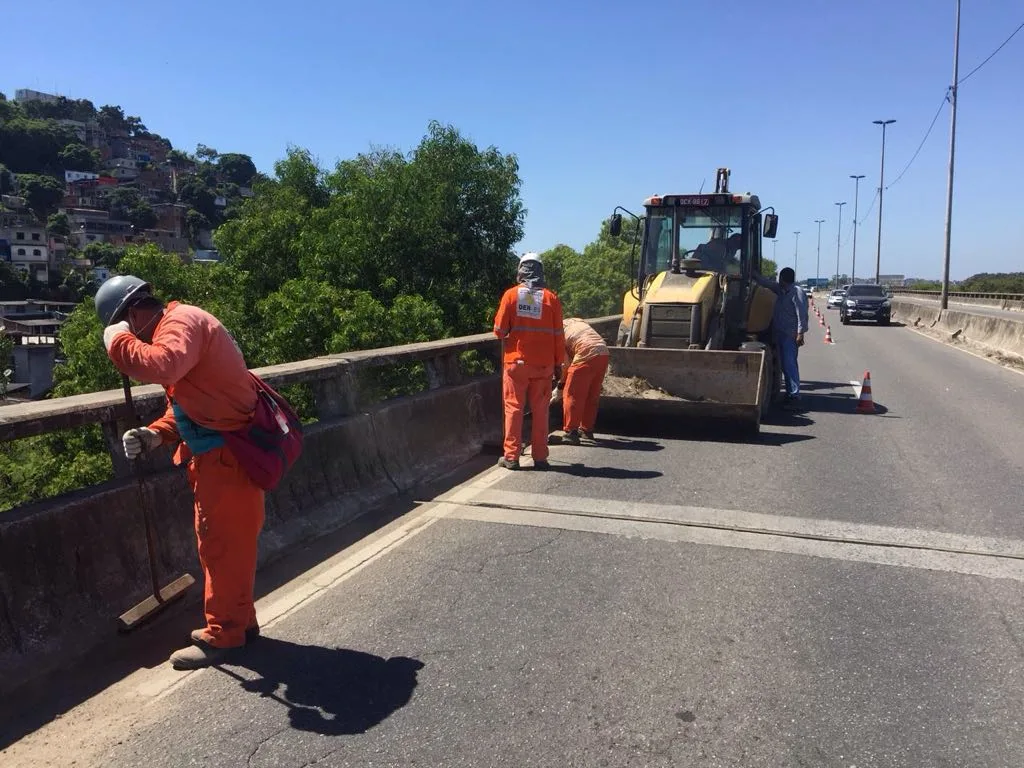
(588, 364)
(529, 322)
(187, 351)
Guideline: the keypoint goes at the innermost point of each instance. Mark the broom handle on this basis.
(139, 475)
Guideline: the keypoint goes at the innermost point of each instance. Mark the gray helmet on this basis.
(116, 295)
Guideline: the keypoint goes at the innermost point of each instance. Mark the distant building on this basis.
(72, 176)
(27, 94)
(27, 248)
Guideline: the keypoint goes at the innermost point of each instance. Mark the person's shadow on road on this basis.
(330, 691)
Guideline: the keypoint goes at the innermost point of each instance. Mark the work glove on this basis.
(139, 440)
(111, 331)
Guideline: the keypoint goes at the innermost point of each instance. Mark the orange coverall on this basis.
(198, 364)
(588, 354)
(529, 321)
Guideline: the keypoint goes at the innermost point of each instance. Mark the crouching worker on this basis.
(588, 363)
(529, 323)
(209, 391)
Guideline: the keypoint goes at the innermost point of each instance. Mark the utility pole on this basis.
(856, 224)
(944, 303)
(817, 270)
(796, 253)
(839, 233)
(881, 191)
(775, 245)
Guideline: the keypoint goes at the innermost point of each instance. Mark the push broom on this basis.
(160, 598)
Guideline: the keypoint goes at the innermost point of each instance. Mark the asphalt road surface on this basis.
(845, 590)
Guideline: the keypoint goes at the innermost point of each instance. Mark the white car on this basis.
(835, 299)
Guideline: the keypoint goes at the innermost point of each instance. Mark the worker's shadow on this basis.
(330, 691)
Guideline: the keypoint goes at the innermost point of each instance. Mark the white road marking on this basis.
(905, 547)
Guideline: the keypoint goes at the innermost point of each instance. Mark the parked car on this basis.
(835, 298)
(866, 302)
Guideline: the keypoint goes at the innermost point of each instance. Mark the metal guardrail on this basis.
(959, 294)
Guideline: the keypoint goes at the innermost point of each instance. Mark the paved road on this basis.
(967, 306)
(846, 590)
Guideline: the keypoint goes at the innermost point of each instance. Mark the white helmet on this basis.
(530, 256)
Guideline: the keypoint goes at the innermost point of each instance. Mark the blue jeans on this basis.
(788, 351)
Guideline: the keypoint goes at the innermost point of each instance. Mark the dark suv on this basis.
(865, 302)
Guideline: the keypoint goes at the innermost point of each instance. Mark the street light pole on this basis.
(839, 232)
(817, 270)
(775, 245)
(856, 224)
(796, 253)
(944, 303)
(881, 191)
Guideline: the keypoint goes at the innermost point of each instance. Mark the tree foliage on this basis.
(985, 282)
(236, 168)
(33, 146)
(78, 157)
(42, 193)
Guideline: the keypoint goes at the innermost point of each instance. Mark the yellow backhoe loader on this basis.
(695, 324)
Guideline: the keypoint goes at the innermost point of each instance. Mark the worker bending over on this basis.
(209, 391)
(529, 323)
(588, 363)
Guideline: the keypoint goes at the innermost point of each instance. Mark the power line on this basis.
(863, 218)
(986, 61)
(927, 133)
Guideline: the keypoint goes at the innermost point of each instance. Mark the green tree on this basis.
(111, 119)
(6, 180)
(128, 204)
(78, 157)
(203, 152)
(199, 196)
(103, 255)
(59, 225)
(33, 146)
(134, 125)
(87, 367)
(42, 193)
(195, 223)
(768, 267)
(236, 168)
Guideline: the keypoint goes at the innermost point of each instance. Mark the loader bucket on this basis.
(713, 387)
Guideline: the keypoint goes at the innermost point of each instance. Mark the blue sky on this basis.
(603, 106)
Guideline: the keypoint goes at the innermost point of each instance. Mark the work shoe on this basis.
(571, 437)
(200, 655)
(541, 464)
(588, 434)
(250, 635)
(508, 463)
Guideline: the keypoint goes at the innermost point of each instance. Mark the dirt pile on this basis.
(619, 386)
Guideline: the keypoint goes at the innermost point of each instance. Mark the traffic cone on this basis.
(828, 335)
(821, 321)
(866, 404)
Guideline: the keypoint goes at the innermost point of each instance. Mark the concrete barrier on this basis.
(70, 565)
(998, 334)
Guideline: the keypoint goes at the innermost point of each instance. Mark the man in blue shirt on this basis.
(789, 324)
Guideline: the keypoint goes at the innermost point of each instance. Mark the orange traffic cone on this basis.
(821, 321)
(828, 335)
(866, 404)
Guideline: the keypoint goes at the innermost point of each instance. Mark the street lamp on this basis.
(839, 232)
(796, 253)
(817, 268)
(775, 245)
(881, 191)
(856, 224)
(944, 301)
